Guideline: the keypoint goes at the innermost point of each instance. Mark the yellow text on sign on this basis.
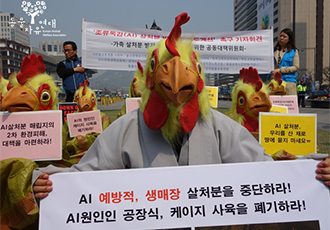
(213, 95)
(295, 133)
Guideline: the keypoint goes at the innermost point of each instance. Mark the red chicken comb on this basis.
(86, 84)
(176, 33)
(31, 66)
(278, 78)
(140, 67)
(251, 76)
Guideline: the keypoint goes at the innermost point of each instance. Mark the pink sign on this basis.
(84, 122)
(289, 101)
(31, 135)
(132, 103)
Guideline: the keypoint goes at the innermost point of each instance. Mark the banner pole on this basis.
(83, 43)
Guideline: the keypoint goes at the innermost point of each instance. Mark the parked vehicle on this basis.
(322, 94)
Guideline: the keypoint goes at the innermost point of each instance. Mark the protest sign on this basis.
(84, 122)
(289, 101)
(270, 193)
(120, 48)
(295, 133)
(132, 103)
(279, 109)
(66, 108)
(32, 135)
(213, 95)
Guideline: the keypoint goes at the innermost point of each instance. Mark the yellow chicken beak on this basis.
(84, 104)
(19, 99)
(259, 102)
(176, 80)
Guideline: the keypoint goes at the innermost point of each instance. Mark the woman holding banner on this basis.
(287, 60)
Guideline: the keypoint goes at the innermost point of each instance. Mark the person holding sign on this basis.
(287, 60)
(175, 124)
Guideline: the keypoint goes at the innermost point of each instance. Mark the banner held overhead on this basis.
(111, 47)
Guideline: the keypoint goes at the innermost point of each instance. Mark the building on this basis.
(14, 42)
(210, 79)
(12, 55)
(50, 63)
(308, 19)
(14, 28)
(53, 48)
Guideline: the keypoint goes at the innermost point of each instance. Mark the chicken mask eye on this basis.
(45, 96)
(241, 100)
(271, 87)
(199, 68)
(152, 64)
(93, 99)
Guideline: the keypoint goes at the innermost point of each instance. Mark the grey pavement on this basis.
(114, 106)
(323, 114)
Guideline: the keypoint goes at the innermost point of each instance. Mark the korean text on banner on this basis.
(119, 48)
(32, 135)
(294, 133)
(272, 193)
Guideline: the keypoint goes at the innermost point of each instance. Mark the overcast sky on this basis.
(206, 15)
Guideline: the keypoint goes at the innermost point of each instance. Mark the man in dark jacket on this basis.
(70, 70)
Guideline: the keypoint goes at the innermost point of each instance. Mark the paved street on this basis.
(114, 106)
(323, 114)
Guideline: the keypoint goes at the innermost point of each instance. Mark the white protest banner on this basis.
(84, 122)
(263, 193)
(290, 101)
(32, 135)
(119, 48)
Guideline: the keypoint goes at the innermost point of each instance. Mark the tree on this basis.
(326, 76)
(33, 9)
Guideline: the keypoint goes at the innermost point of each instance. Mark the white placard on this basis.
(35, 135)
(289, 101)
(132, 103)
(193, 196)
(84, 122)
